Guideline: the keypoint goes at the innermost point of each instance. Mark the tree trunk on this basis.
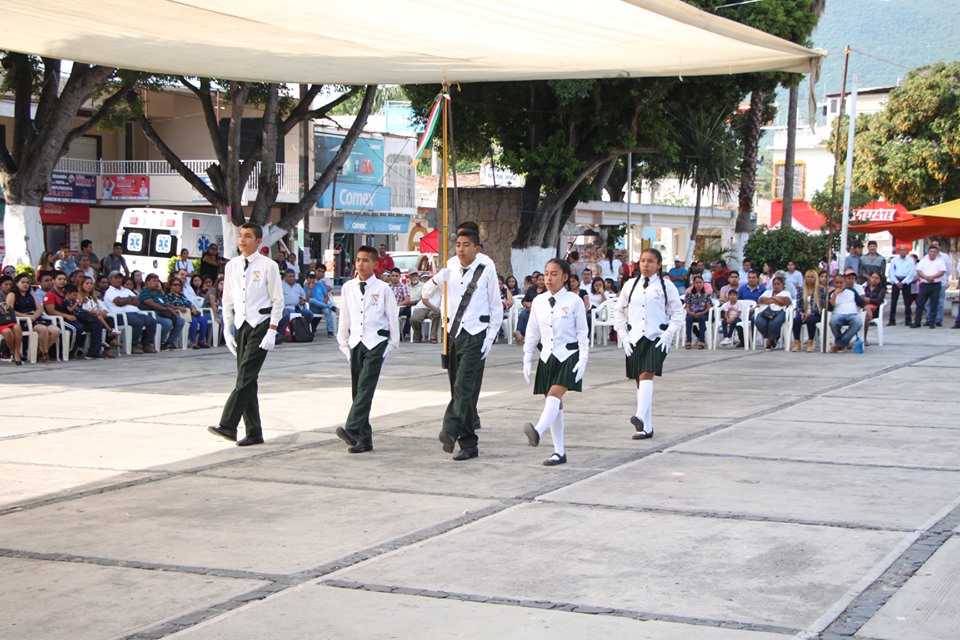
(268, 189)
(748, 176)
(695, 226)
(790, 160)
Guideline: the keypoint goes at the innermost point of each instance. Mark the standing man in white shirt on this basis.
(902, 273)
(948, 266)
(474, 315)
(930, 272)
(369, 332)
(253, 305)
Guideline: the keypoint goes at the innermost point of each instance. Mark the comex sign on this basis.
(357, 197)
(376, 224)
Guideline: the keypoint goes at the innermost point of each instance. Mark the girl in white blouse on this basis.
(558, 327)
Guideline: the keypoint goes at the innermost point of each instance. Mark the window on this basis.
(402, 180)
(799, 180)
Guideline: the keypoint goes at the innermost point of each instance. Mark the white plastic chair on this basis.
(828, 332)
(213, 327)
(158, 333)
(876, 322)
(513, 317)
(124, 330)
(785, 331)
(66, 337)
(32, 338)
(602, 319)
(744, 306)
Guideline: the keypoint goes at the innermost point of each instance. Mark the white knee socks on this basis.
(645, 404)
(550, 409)
(556, 434)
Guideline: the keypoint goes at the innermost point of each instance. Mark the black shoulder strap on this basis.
(465, 300)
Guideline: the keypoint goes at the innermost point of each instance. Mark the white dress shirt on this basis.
(641, 314)
(112, 293)
(947, 268)
(902, 270)
(370, 316)
(485, 311)
(555, 327)
(252, 293)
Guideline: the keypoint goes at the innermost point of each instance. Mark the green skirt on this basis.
(644, 359)
(554, 372)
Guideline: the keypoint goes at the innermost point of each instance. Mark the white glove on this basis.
(665, 341)
(527, 368)
(485, 350)
(345, 350)
(269, 341)
(442, 276)
(627, 347)
(231, 342)
(386, 353)
(579, 369)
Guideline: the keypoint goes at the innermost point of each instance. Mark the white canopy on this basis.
(396, 41)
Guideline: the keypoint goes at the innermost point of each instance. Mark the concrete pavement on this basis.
(784, 495)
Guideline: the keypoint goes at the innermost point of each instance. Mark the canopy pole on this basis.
(848, 177)
(444, 218)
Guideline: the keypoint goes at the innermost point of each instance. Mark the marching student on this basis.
(647, 316)
(253, 305)
(369, 331)
(558, 326)
(473, 321)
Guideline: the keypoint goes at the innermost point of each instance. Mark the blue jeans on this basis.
(326, 310)
(928, 300)
(285, 319)
(843, 337)
(770, 329)
(198, 324)
(942, 300)
(522, 319)
(170, 330)
(144, 327)
(811, 323)
(701, 322)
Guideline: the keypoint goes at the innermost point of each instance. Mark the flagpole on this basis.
(444, 220)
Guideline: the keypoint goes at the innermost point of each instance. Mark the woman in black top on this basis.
(873, 292)
(25, 306)
(211, 263)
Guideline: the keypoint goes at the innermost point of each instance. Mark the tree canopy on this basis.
(909, 153)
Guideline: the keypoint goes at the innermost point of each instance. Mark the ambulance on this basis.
(151, 237)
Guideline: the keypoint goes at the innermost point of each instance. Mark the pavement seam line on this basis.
(836, 463)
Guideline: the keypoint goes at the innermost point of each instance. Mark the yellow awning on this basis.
(944, 210)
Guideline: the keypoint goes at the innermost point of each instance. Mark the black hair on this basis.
(5, 278)
(663, 283)
(564, 268)
(70, 288)
(574, 256)
(469, 235)
(289, 271)
(150, 276)
(118, 244)
(396, 270)
(59, 273)
(85, 243)
(469, 225)
(253, 226)
(369, 250)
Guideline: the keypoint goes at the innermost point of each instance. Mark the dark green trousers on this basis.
(365, 365)
(465, 371)
(243, 399)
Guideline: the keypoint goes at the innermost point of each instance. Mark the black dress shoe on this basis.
(637, 423)
(447, 442)
(361, 447)
(344, 435)
(466, 454)
(223, 432)
(893, 324)
(555, 459)
(250, 440)
(533, 437)
(643, 435)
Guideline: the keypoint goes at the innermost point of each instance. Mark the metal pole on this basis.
(444, 219)
(847, 187)
(629, 221)
(836, 157)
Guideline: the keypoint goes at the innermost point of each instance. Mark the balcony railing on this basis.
(287, 174)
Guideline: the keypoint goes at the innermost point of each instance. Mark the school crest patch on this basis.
(564, 311)
(256, 276)
(374, 297)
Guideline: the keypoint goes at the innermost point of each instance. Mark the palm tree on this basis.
(708, 159)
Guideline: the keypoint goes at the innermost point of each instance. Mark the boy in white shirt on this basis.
(730, 319)
(369, 331)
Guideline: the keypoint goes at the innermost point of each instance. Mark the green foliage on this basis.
(709, 255)
(385, 92)
(709, 152)
(615, 235)
(777, 246)
(910, 152)
(171, 263)
(27, 269)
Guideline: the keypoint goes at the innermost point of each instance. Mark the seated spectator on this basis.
(824, 279)
(196, 284)
(294, 301)
(123, 302)
(770, 320)
(730, 318)
(408, 295)
(426, 309)
(733, 284)
(698, 303)
(10, 271)
(811, 302)
(678, 275)
(753, 289)
(524, 316)
(579, 290)
(84, 267)
(46, 265)
(84, 324)
(102, 285)
(794, 278)
(721, 275)
(705, 273)
(766, 275)
(597, 295)
(114, 261)
(178, 299)
(610, 288)
(138, 282)
(745, 268)
(586, 279)
(511, 283)
(318, 299)
(845, 300)
(214, 300)
(65, 263)
(322, 278)
(130, 285)
(76, 278)
(24, 305)
(506, 296)
(873, 293)
(9, 327)
(92, 307)
(170, 321)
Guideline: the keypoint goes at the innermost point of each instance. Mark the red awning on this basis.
(914, 229)
(805, 218)
(64, 213)
(428, 243)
